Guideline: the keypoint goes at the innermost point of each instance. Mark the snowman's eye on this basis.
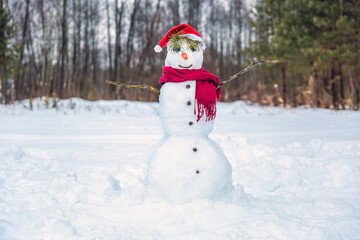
(176, 49)
(193, 49)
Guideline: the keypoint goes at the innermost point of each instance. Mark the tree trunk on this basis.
(63, 52)
(353, 90)
(129, 42)
(194, 13)
(85, 60)
(342, 87)
(78, 74)
(3, 75)
(284, 85)
(334, 90)
(118, 30)
(20, 84)
(149, 36)
(174, 9)
(112, 87)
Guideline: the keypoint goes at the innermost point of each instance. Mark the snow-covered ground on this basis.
(78, 172)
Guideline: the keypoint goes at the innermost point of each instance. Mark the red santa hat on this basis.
(183, 30)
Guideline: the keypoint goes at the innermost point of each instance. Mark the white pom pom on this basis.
(157, 48)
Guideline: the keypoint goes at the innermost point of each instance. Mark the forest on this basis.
(69, 48)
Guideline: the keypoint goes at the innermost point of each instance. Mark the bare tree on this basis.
(61, 80)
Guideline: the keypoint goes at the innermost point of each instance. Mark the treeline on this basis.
(319, 45)
(68, 48)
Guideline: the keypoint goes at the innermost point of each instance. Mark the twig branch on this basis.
(157, 91)
(252, 64)
(142, 86)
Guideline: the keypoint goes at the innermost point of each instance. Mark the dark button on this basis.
(195, 149)
(197, 171)
(187, 86)
(191, 123)
(188, 103)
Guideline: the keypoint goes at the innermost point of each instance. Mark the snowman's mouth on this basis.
(186, 66)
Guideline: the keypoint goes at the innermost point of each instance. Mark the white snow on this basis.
(78, 172)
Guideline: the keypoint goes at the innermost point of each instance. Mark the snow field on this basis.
(78, 172)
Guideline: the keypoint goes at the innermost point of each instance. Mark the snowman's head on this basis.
(185, 47)
(184, 53)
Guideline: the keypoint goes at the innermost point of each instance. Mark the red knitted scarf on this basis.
(206, 93)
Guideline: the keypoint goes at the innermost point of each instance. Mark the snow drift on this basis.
(77, 171)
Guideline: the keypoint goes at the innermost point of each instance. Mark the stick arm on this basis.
(252, 64)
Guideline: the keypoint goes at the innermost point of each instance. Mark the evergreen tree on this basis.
(318, 42)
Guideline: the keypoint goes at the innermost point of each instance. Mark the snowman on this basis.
(187, 164)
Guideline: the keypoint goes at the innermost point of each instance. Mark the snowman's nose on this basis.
(184, 56)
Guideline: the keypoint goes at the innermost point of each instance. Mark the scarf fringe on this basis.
(207, 108)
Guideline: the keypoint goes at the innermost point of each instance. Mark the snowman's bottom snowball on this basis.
(187, 168)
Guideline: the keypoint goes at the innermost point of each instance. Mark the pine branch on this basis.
(142, 86)
(252, 64)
